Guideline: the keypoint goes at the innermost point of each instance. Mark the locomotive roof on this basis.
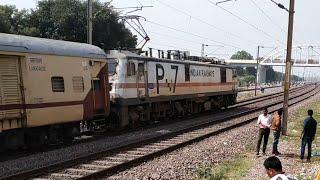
(131, 55)
(27, 44)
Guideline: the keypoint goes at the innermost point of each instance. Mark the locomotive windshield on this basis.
(112, 66)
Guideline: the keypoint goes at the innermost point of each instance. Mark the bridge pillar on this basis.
(262, 74)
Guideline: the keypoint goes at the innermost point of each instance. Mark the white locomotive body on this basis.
(147, 88)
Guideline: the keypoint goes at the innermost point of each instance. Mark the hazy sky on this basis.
(204, 22)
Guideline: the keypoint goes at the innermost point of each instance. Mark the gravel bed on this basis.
(182, 163)
(58, 155)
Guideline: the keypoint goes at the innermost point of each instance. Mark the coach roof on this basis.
(27, 44)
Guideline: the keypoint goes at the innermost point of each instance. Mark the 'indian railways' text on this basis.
(201, 72)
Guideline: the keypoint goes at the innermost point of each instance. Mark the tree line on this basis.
(67, 20)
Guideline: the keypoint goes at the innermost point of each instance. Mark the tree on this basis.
(242, 55)
(67, 20)
(248, 70)
(6, 14)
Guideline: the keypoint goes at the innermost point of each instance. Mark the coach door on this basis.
(141, 80)
(98, 95)
(10, 93)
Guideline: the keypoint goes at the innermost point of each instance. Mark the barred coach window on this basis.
(78, 84)
(57, 84)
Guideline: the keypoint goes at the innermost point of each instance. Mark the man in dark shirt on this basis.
(307, 135)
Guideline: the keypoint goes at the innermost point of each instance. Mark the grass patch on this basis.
(295, 126)
(233, 169)
(238, 167)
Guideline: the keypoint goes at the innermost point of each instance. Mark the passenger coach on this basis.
(47, 87)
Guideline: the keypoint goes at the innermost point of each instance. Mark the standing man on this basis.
(307, 134)
(276, 128)
(264, 122)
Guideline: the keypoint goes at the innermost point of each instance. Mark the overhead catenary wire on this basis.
(247, 22)
(181, 39)
(192, 34)
(270, 19)
(176, 47)
(203, 21)
(199, 19)
(267, 16)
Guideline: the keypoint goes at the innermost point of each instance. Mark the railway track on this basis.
(14, 154)
(109, 162)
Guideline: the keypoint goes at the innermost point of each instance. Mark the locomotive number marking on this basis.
(158, 76)
(175, 78)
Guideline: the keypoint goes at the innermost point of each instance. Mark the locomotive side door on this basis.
(142, 80)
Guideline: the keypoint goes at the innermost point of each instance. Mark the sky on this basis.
(226, 28)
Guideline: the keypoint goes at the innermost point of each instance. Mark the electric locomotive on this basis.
(151, 89)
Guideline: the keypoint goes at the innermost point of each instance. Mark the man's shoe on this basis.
(264, 153)
(308, 160)
(257, 153)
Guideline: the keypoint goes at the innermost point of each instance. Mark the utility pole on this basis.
(256, 83)
(89, 22)
(288, 69)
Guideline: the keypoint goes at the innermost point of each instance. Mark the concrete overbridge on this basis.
(302, 56)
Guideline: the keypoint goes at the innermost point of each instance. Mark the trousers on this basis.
(276, 136)
(306, 141)
(263, 133)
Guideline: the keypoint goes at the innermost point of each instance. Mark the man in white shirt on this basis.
(264, 122)
(274, 169)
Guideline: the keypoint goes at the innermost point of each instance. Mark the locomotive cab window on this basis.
(140, 69)
(223, 75)
(112, 66)
(187, 72)
(57, 83)
(131, 68)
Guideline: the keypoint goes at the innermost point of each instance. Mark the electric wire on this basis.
(176, 47)
(189, 15)
(192, 34)
(203, 21)
(247, 22)
(270, 19)
(181, 39)
(267, 16)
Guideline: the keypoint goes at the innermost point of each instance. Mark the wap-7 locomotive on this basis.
(146, 88)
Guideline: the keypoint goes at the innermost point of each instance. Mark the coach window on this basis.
(57, 84)
(78, 84)
(131, 68)
(187, 72)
